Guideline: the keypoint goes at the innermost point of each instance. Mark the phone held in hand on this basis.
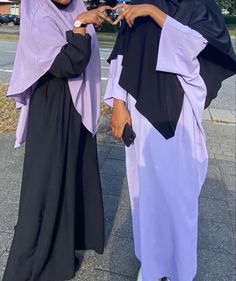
(128, 135)
(114, 14)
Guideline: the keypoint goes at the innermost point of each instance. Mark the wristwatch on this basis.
(79, 24)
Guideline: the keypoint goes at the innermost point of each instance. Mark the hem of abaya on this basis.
(72, 275)
(99, 252)
(166, 275)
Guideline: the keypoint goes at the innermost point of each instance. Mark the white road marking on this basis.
(8, 51)
(104, 78)
(5, 70)
(105, 49)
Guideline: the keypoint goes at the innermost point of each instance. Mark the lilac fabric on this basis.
(113, 89)
(42, 35)
(165, 177)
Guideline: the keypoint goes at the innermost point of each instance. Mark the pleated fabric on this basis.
(61, 207)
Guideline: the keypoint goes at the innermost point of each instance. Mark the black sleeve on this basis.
(73, 57)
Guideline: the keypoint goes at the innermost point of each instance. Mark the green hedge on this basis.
(230, 19)
(107, 27)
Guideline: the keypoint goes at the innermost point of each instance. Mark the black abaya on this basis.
(61, 207)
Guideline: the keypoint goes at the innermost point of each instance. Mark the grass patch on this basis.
(8, 112)
(105, 109)
(232, 29)
(108, 37)
(9, 36)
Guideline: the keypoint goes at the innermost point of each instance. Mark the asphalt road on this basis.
(226, 98)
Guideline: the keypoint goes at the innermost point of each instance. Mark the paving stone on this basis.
(111, 204)
(231, 200)
(214, 266)
(217, 217)
(108, 227)
(207, 115)
(10, 187)
(112, 185)
(114, 167)
(119, 257)
(123, 224)
(86, 271)
(117, 153)
(9, 213)
(227, 167)
(221, 115)
(3, 262)
(125, 199)
(224, 157)
(101, 275)
(214, 210)
(213, 189)
(229, 182)
(5, 242)
(213, 169)
(103, 152)
(217, 237)
(7, 142)
(233, 222)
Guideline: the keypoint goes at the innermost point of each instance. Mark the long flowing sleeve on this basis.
(73, 57)
(178, 53)
(113, 89)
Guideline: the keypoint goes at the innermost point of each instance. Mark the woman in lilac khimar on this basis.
(56, 83)
(167, 65)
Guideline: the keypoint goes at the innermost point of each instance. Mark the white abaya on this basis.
(165, 176)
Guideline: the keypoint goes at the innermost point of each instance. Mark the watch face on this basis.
(77, 24)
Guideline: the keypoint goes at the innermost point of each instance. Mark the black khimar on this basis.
(61, 6)
(159, 95)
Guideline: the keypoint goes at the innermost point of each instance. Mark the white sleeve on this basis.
(113, 89)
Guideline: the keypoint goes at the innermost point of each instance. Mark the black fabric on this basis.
(159, 95)
(61, 206)
(61, 6)
(74, 56)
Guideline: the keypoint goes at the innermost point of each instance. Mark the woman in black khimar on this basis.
(167, 65)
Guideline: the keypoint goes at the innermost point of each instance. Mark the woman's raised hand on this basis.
(131, 12)
(95, 16)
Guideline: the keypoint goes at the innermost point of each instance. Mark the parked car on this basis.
(17, 20)
(8, 18)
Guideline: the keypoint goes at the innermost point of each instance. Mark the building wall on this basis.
(15, 9)
(4, 8)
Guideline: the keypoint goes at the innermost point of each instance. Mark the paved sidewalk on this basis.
(217, 209)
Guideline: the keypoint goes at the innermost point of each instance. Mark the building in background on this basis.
(9, 7)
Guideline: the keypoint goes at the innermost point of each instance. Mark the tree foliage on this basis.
(227, 6)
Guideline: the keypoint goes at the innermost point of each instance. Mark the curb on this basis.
(220, 116)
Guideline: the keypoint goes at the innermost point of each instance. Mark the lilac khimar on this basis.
(34, 59)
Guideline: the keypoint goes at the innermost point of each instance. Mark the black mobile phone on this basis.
(112, 15)
(128, 135)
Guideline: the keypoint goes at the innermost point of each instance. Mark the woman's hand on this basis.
(120, 116)
(131, 12)
(96, 16)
